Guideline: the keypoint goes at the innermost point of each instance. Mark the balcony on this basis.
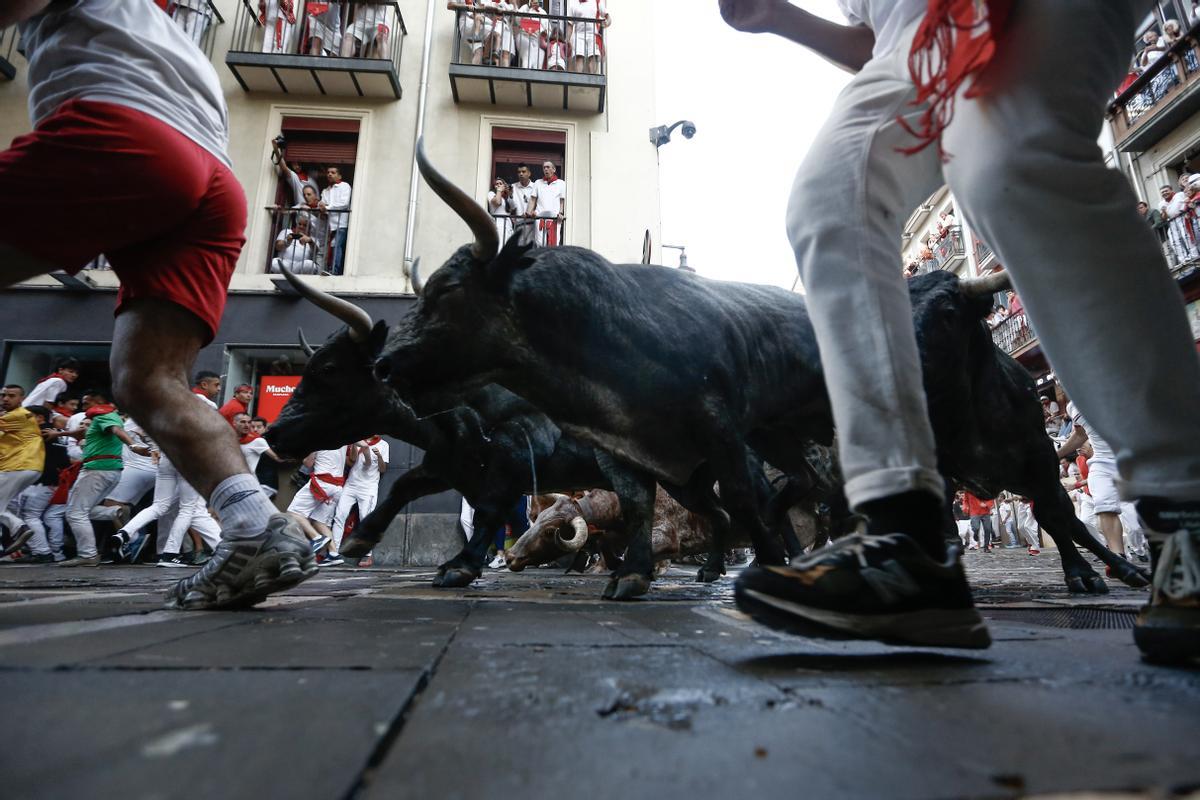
(550, 231)
(985, 259)
(8, 43)
(1160, 99)
(950, 250)
(198, 23)
(338, 49)
(526, 60)
(307, 241)
(1014, 335)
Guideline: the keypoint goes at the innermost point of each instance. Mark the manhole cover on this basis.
(1074, 618)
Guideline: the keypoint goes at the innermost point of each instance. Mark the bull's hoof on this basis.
(1087, 584)
(358, 546)
(455, 578)
(610, 588)
(1130, 575)
(628, 587)
(707, 574)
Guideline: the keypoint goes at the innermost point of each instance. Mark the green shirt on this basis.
(101, 441)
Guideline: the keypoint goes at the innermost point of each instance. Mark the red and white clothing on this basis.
(46, 392)
(586, 37)
(318, 499)
(370, 23)
(336, 197)
(362, 486)
(886, 19)
(550, 202)
(502, 28)
(325, 23)
(279, 23)
(530, 32)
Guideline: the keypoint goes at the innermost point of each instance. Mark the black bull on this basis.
(679, 375)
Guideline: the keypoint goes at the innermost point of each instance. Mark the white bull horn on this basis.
(576, 542)
(989, 284)
(358, 320)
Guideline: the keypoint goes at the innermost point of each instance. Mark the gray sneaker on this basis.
(243, 572)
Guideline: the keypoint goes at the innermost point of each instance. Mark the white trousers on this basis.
(92, 486)
(166, 496)
(12, 483)
(193, 513)
(1181, 242)
(1026, 525)
(1026, 171)
(47, 529)
(366, 497)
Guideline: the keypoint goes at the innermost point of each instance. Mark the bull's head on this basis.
(558, 531)
(460, 330)
(338, 399)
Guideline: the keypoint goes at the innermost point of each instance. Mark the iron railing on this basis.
(949, 248)
(540, 41)
(983, 254)
(1178, 67)
(197, 19)
(366, 29)
(308, 241)
(1013, 333)
(550, 230)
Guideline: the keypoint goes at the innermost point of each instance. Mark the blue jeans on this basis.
(339, 251)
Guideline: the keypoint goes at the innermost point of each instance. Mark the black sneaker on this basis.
(20, 537)
(243, 572)
(171, 560)
(332, 560)
(867, 587)
(1168, 628)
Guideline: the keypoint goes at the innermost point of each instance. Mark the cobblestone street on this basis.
(370, 683)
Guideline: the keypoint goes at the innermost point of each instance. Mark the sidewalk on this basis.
(370, 683)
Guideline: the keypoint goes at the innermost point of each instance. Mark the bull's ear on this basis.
(516, 254)
(378, 336)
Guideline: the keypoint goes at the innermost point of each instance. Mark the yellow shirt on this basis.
(21, 446)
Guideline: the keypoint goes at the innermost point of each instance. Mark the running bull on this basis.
(680, 376)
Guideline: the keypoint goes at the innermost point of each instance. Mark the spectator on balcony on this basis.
(1174, 207)
(367, 32)
(926, 262)
(1155, 47)
(66, 372)
(318, 222)
(294, 175)
(335, 201)
(587, 42)
(503, 45)
(503, 208)
(558, 52)
(946, 223)
(296, 250)
(531, 36)
(1154, 219)
(550, 205)
(474, 28)
(557, 28)
(193, 18)
(324, 27)
(1015, 306)
(1173, 32)
(278, 18)
(524, 192)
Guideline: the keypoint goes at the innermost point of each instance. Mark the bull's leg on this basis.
(778, 502)
(416, 483)
(699, 498)
(636, 492)
(1056, 515)
(739, 498)
(465, 567)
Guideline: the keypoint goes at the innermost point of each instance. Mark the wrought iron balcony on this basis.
(308, 241)
(198, 19)
(1014, 334)
(550, 230)
(530, 60)
(950, 249)
(1155, 103)
(984, 257)
(349, 48)
(8, 43)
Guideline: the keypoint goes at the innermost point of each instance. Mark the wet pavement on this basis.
(370, 683)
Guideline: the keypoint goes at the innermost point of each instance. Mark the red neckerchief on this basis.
(66, 412)
(955, 43)
(98, 409)
(52, 375)
(248, 438)
(374, 440)
(551, 179)
(199, 391)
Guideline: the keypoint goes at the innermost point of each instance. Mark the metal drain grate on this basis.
(1074, 618)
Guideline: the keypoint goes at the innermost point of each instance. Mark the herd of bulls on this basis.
(524, 369)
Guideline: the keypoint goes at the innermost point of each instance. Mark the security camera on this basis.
(689, 130)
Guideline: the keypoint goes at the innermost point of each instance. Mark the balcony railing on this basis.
(8, 43)
(349, 48)
(534, 60)
(307, 241)
(983, 255)
(197, 19)
(550, 231)
(950, 248)
(1013, 333)
(1158, 100)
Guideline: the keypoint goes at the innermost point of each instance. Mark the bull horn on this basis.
(989, 284)
(308, 349)
(358, 320)
(414, 275)
(576, 542)
(487, 240)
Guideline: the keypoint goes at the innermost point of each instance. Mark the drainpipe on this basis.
(414, 184)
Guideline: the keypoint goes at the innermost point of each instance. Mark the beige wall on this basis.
(613, 168)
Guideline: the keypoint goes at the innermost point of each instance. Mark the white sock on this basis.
(242, 506)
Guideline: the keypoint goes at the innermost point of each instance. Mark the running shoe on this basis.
(172, 560)
(1168, 628)
(131, 551)
(243, 572)
(1033, 551)
(867, 587)
(81, 561)
(498, 562)
(332, 560)
(20, 537)
(318, 544)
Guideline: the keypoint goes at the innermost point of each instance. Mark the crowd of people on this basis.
(1175, 218)
(938, 231)
(542, 203)
(555, 35)
(311, 234)
(347, 30)
(1151, 50)
(71, 459)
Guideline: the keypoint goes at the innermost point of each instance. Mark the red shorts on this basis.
(101, 178)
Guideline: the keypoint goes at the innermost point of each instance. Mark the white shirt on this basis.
(330, 462)
(887, 18)
(1101, 450)
(253, 451)
(365, 472)
(535, 26)
(337, 196)
(548, 197)
(131, 459)
(296, 252)
(1176, 207)
(521, 195)
(116, 51)
(45, 393)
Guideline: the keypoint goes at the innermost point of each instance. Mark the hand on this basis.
(751, 16)
(321, 205)
(306, 240)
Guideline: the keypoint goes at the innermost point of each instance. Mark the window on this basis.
(28, 362)
(317, 166)
(512, 147)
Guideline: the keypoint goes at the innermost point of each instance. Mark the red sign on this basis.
(273, 393)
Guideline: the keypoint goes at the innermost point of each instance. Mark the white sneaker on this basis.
(498, 562)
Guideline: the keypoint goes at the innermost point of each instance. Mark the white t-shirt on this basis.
(296, 252)
(330, 462)
(337, 197)
(116, 51)
(1101, 450)
(253, 451)
(521, 195)
(365, 471)
(1176, 207)
(131, 459)
(548, 196)
(887, 18)
(45, 393)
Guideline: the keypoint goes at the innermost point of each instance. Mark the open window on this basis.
(512, 147)
(26, 363)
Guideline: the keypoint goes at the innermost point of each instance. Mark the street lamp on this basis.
(683, 265)
(662, 134)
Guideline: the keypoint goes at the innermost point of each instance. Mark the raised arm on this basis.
(847, 46)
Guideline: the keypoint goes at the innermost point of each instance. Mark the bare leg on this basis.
(305, 524)
(1114, 535)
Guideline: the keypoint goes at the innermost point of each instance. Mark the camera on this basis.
(280, 141)
(688, 130)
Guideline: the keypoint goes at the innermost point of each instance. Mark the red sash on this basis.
(550, 228)
(318, 491)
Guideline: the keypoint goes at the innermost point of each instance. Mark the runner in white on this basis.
(314, 504)
(369, 460)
